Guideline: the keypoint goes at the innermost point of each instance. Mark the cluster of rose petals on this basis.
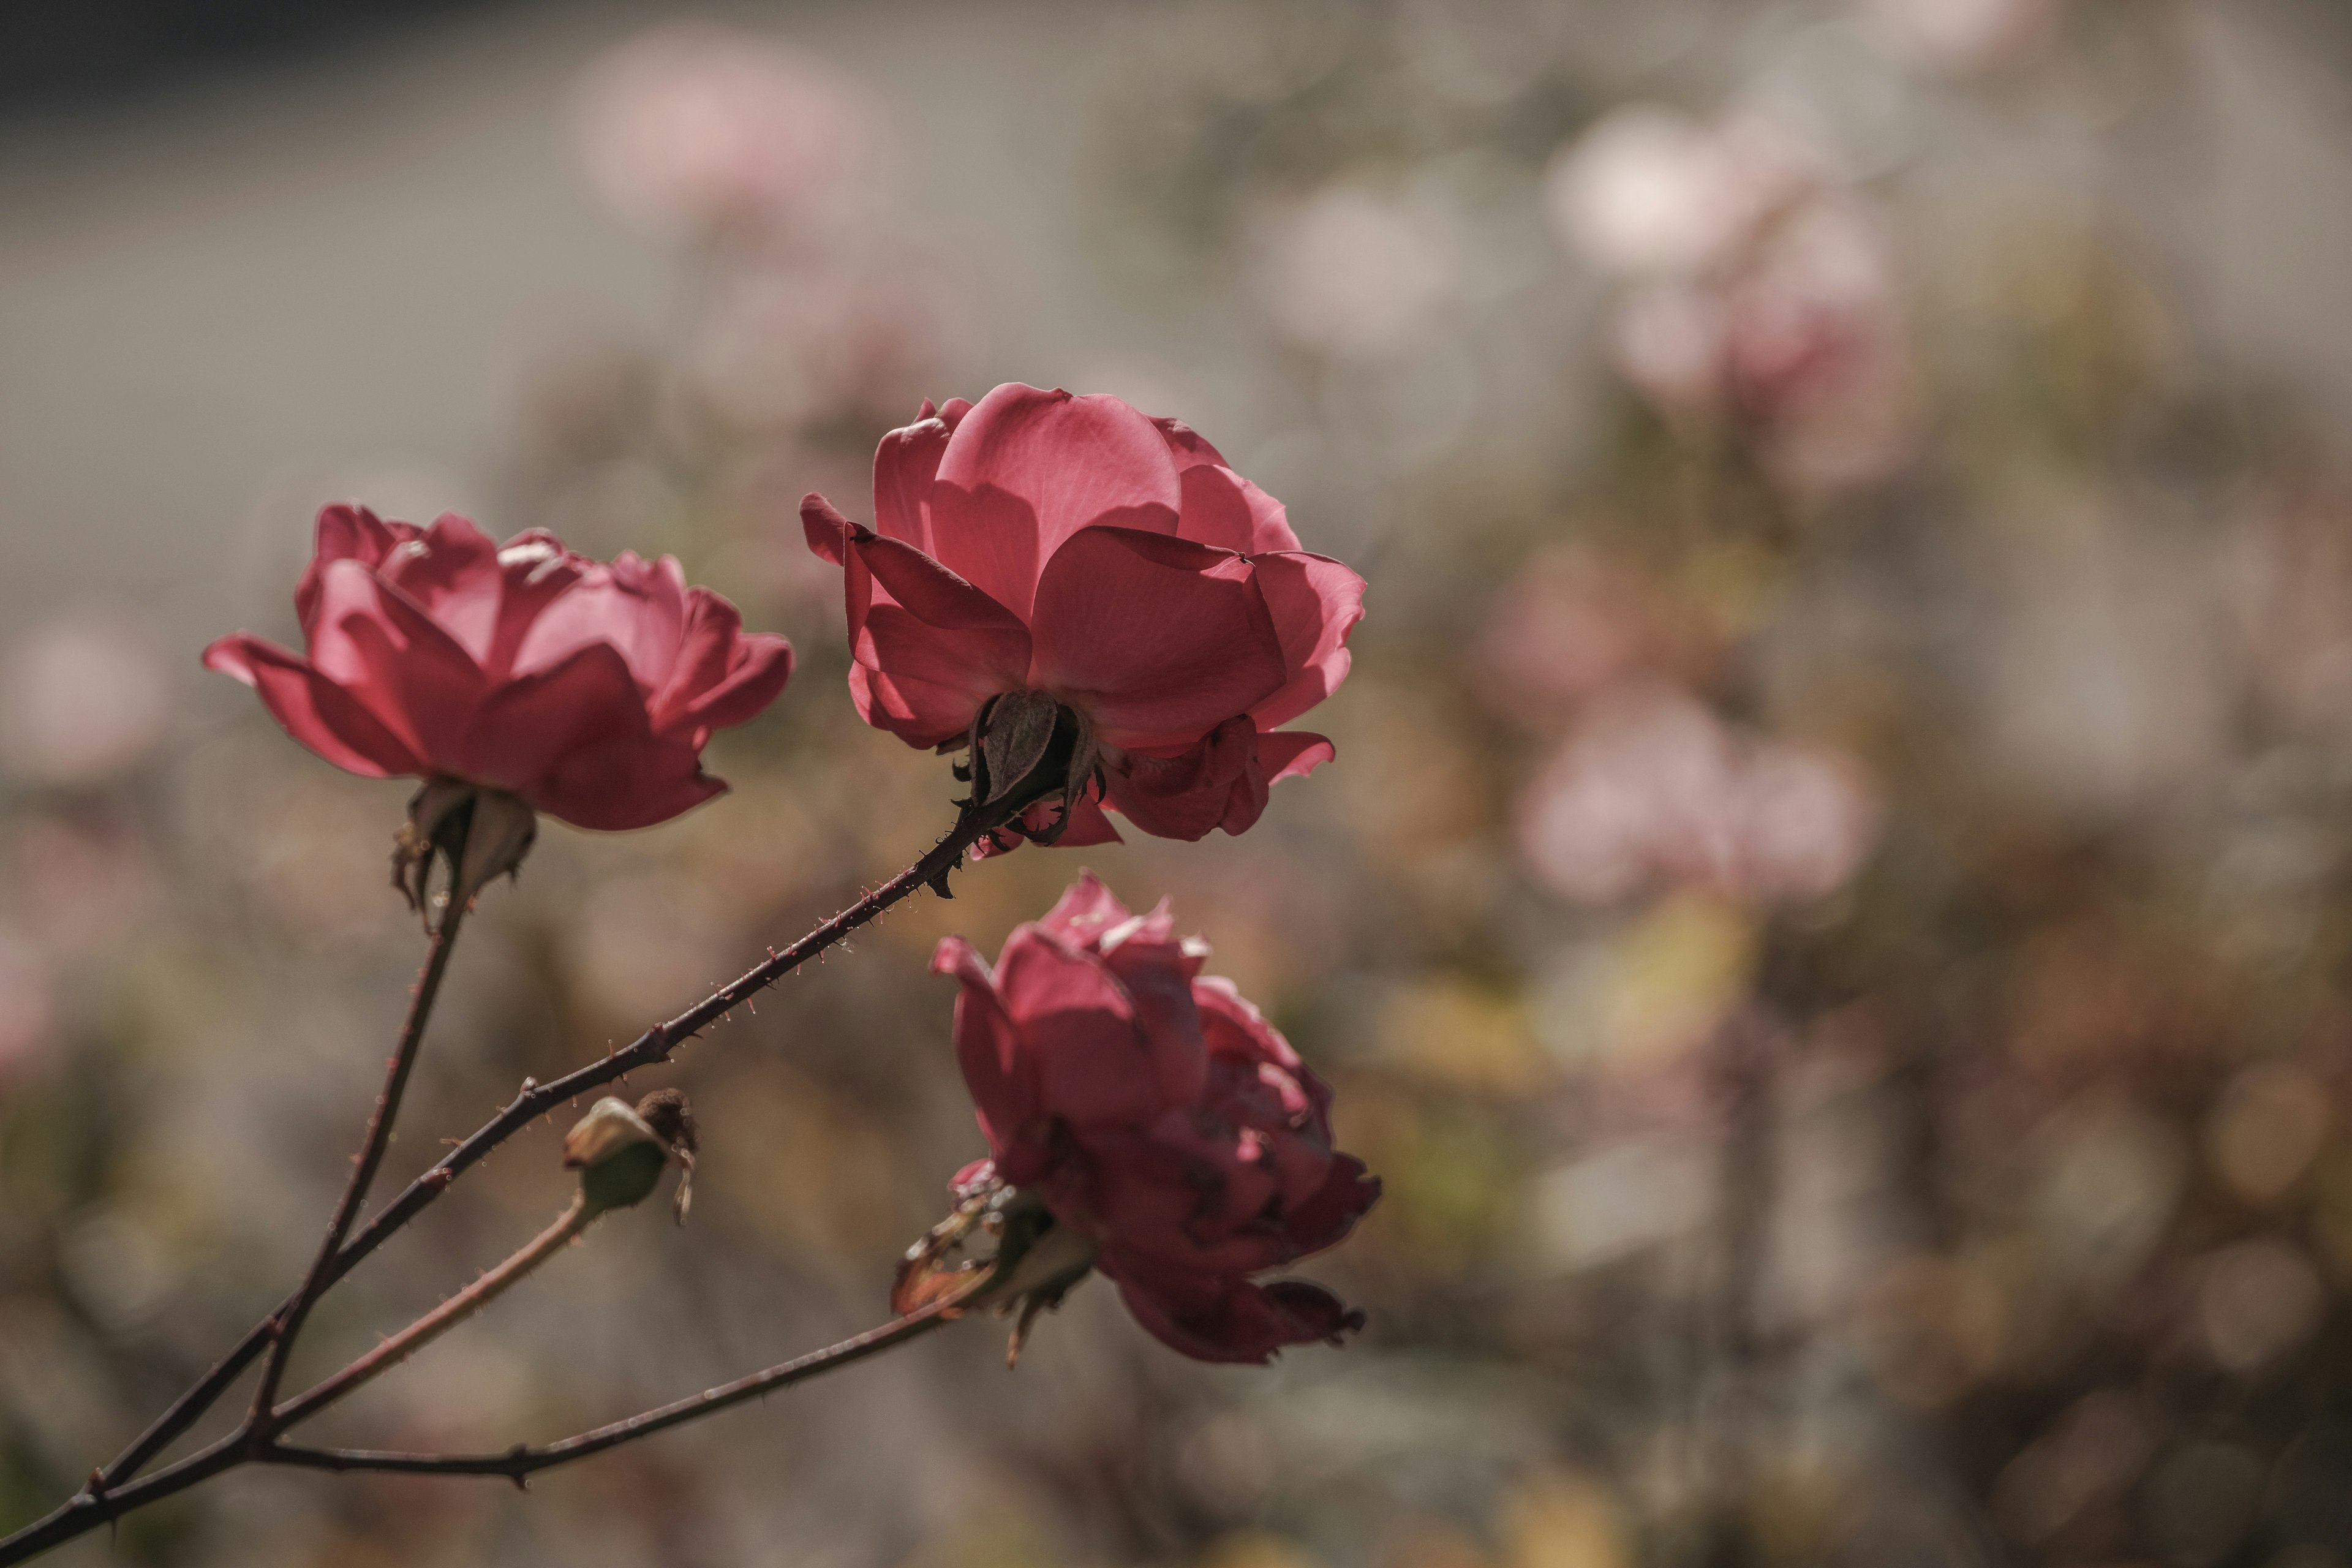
(586, 688)
(1160, 1115)
(1045, 541)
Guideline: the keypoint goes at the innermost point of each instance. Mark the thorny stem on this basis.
(89, 1511)
(287, 1323)
(113, 1491)
(441, 1319)
(522, 1460)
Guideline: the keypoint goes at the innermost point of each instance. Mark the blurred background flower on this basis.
(1831, 916)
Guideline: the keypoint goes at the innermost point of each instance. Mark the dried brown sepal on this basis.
(927, 1275)
(479, 834)
(1014, 731)
(671, 1116)
(1037, 1261)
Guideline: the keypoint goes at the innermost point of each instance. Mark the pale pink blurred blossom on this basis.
(1655, 791)
(783, 346)
(1355, 270)
(692, 130)
(1649, 191)
(81, 698)
(1957, 37)
(27, 1004)
(92, 881)
(1759, 291)
(1814, 350)
(1568, 626)
(1670, 341)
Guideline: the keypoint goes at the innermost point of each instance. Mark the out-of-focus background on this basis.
(1832, 917)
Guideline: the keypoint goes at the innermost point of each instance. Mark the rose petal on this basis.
(1216, 1319)
(1315, 603)
(451, 572)
(1084, 912)
(918, 713)
(636, 606)
(1223, 508)
(394, 660)
(905, 463)
(722, 677)
(1001, 1075)
(1027, 469)
(1158, 638)
(1092, 1061)
(1217, 783)
(345, 532)
(312, 709)
(1292, 754)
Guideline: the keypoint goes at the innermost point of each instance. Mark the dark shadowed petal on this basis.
(1292, 754)
(917, 711)
(1093, 1062)
(574, 740)
(1216, 782)
(1215, 1317)
(947, 631)
(1158, 638)
(1330, 1214)
(1001, 1075)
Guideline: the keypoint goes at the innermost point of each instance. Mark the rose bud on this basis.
(518, 679)
(620, 1153)
(1096, 606)
(1160, 1120)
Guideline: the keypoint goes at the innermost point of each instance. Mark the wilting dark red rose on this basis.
(587, 688)
(1158, 1115)
(1038, 542)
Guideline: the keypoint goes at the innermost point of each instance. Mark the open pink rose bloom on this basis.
(1158, 1115)
(1042, 542)
(586, 688)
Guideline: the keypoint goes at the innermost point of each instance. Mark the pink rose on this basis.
(1040, 542)
(1160, 1116)
(584, 688)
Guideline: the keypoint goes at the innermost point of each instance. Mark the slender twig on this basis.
(112, 1489)
(535, 1100)
(440, 1321)
(522, 1460)
(286, 1324)
(87, 1510)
